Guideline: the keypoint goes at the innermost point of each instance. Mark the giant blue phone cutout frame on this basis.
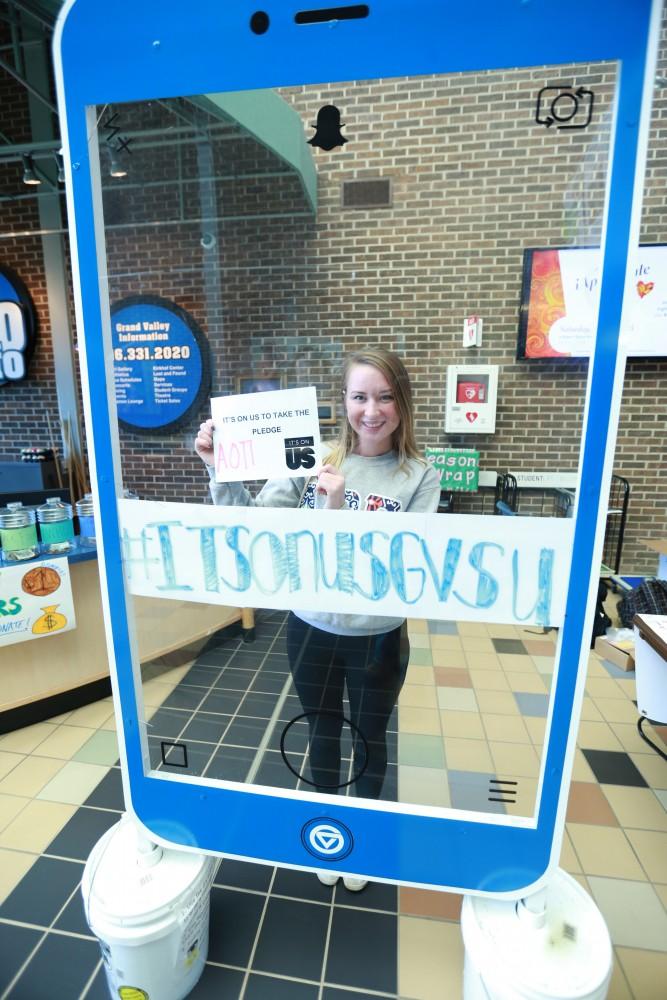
(138, 51)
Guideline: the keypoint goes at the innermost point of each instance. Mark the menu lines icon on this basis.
(502, 790)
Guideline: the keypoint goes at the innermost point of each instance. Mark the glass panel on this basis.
(238, 245)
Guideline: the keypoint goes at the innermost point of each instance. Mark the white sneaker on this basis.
(355, 884)
(327, 878)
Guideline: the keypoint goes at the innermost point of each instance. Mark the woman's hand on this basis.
(204, 442)
(331, 483)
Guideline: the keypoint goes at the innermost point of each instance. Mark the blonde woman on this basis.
(375, 465)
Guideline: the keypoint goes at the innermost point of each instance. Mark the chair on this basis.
(617, 512)
(505, 501)
(563, 503)
(446, 502)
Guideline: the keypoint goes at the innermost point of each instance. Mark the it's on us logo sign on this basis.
(18, 327)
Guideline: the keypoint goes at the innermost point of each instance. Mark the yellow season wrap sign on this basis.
(35, 601)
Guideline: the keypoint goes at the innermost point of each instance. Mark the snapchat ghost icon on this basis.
(50, 621)
(327, 130)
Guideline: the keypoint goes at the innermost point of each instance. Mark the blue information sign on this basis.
(161, 364)
(18, 327)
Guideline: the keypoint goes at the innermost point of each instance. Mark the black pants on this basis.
(373, 668)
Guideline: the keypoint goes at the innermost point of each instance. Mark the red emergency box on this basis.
(470, 392)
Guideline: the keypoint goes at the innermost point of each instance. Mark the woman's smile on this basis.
(371, 410)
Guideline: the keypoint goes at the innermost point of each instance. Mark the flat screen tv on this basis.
(559, 302)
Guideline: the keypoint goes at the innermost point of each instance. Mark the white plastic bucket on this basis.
(507, 958)
(150, 912)
(650, 678)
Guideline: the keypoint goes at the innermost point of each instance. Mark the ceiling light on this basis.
(29, 175)
(116, 169)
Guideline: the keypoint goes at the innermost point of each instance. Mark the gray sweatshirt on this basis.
(370, 484)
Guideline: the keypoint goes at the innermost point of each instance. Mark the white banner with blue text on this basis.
(439, 566)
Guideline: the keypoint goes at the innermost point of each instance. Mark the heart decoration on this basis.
(644, 287)
(471, 417)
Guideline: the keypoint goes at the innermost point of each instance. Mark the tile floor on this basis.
(467, 731)
(470, 717)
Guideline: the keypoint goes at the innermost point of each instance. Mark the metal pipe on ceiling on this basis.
(182, 181)
(179, 182)
(26, 8)
(195, 134)
(16, 151)
(251, 216)
(220, 132)
(39, 150)
(17, 52)
(20, 234)
(30, 195)
(26, 43)
(28, 86)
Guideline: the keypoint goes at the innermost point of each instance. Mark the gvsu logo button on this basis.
(327, 839)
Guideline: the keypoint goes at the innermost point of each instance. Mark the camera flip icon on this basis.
(564, 107)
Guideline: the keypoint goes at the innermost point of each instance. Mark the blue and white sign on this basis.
(491, 569)
(215, 51)
(18, 327)
(161, 364)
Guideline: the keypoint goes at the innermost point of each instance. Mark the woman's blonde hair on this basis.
(393, 369)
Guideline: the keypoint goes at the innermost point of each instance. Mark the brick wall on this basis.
(474, 181)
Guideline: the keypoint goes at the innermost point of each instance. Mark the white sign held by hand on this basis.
(262, 435)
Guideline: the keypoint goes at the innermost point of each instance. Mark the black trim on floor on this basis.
(48, 708)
